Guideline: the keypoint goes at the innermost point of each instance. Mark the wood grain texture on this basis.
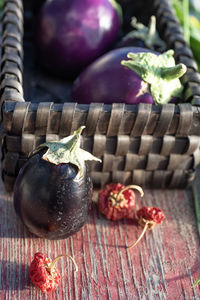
(163, 265)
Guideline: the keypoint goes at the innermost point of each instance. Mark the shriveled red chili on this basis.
(44, 274)
(148, 217)
(117, 201)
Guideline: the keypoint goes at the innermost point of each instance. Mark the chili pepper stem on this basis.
(143, 232)
(117, 199)
(51, 266)
(134, 187)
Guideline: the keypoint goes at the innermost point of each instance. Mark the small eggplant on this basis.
(143, 36)
(146, 77)
(53, 190)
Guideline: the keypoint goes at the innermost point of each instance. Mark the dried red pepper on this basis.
(117, 201)
(148, 217)
(43, 273)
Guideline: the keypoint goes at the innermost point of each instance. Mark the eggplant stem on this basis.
(52, 265)
(152, 26)
(141, 235)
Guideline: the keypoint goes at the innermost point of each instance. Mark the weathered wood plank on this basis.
(164, 264)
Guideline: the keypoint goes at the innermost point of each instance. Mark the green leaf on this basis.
(186, 22)
(193, 18)
(195, 45)
(68, 150)
(196, 206)
(194, 22)
(195, 8)
(197, 281)
(177, 5)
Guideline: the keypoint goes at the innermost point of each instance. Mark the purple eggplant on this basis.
(130, 75)
(71, 34)
(53, 190)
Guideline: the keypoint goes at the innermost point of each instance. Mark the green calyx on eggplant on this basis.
(160, 72)
(53, 190)
(143, 36)
(130, 75)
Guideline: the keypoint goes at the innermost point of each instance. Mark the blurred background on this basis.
(188, 13)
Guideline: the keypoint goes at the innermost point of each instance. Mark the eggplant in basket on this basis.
(130, 75)
(71, 34)
(143, 36)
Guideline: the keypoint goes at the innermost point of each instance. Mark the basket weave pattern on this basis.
(153, 146)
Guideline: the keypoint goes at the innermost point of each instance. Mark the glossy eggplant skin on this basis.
(51, 200)
(71, 34)
(107, 81)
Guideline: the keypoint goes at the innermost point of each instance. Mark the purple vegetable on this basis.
(53, 190)
(148, 77)
(107, 81)
(71, 34)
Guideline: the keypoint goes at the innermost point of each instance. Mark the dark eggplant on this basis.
(53, 190)
(143, 36)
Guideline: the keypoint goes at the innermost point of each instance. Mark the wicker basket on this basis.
(153, 146)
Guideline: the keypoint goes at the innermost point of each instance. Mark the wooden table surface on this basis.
(163, 265)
